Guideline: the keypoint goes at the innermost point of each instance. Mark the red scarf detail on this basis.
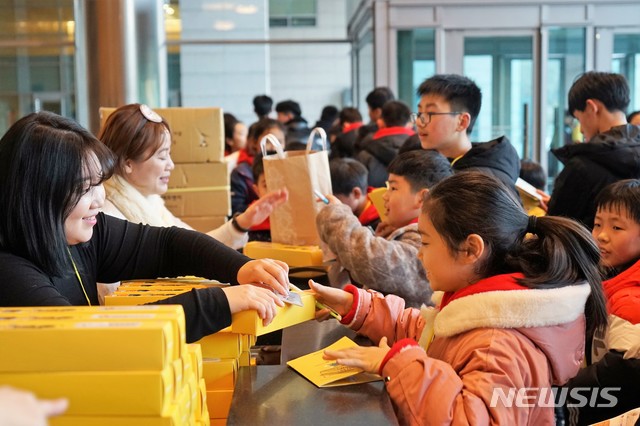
(369, 214)
(351, 126)
(392, 131)
(244, 157)
(504, 282)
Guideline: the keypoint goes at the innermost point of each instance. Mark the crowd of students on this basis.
(464, 294)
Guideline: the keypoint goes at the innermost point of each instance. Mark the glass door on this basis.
(503, 67)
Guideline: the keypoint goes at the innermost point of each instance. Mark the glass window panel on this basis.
(565, 62)
(626, 57)
(502, 67)
(303, 21)
(416, 62)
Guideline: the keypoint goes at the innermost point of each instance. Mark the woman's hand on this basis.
(257, 212)
(245, 297)
(367, 358)
(18, 407)
(339, 300)
(266, 273)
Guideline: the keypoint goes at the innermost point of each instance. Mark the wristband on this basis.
(236, 225)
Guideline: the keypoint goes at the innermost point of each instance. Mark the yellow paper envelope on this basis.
(376, 198)
(326, 373)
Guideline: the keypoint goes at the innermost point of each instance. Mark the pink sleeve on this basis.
(378, 316)
(429, 391)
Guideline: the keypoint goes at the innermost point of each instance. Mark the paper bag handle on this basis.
(274, 141)
(323, 138)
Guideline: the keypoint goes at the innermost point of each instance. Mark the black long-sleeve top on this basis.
(120, 250)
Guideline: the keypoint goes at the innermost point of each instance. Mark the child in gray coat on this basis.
(387, 261)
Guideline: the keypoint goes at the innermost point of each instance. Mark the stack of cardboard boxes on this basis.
(199, 185)
(116, 365)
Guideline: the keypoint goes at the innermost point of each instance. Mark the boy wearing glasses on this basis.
(388, 264)
(448, 108)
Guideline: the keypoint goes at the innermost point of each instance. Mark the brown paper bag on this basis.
(302, 173)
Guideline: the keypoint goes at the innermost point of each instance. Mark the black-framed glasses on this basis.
(426, 117)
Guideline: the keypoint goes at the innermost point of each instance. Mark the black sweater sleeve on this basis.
(206, 311)
(124, 251)
(621, 377)
(119, 250)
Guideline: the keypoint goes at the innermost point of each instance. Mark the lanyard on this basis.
(75, 268)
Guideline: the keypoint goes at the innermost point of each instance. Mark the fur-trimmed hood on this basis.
(550, 318)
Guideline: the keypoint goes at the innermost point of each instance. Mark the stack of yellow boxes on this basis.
(199, 191)
(117, 366)
(223, 352)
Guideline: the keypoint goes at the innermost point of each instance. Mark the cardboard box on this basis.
(204, 223)
(67, 345)
(102, 393)
(184, 202)
(199, 175)
(197, 134)
(291, 255)
(139, 298)
(248, 322)
(219, 403)
(219, 374)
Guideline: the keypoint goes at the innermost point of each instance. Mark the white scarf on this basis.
(136, 207)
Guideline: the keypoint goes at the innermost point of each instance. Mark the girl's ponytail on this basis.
(561, 252)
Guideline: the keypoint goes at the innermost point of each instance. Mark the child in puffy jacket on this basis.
(614, 370)
(509, 321)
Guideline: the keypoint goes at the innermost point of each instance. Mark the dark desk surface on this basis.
(276, 395)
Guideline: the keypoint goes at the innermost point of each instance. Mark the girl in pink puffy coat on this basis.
(509, 320)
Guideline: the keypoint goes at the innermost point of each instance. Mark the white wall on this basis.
(313, 74)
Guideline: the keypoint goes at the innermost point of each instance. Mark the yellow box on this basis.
(85, 345)
(173, 313)
(205, 223)
(202, 400)
(172, 419)
(178, 281)
(291, 255)
(199, 175)
(219, 373)
(219, 403)
(197, 134)
(221, 345)
(195, 352)
(246, 342)
(101, 393)
(244, 360)
(202, 201)
(376, 198)
(119, 299)
(248, 322)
